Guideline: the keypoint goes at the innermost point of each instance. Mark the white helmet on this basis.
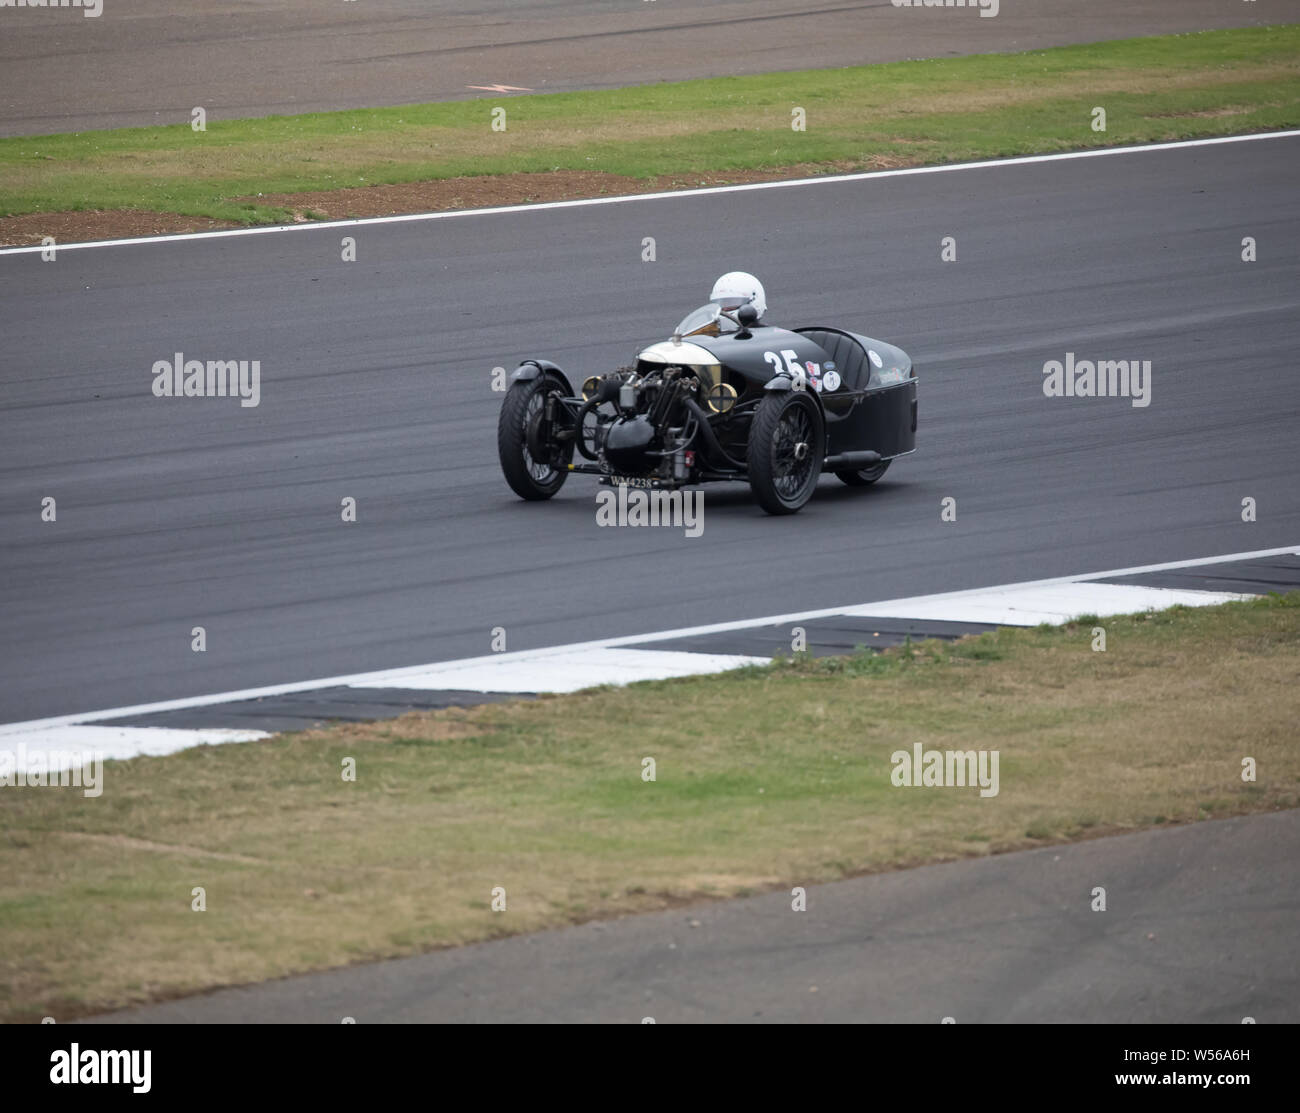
(736, 288)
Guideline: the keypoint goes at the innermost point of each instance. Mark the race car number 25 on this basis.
(786, 362)
(789, 365)
(805, 375)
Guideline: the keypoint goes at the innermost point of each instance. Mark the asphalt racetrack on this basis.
(146, 62)
(376, 385)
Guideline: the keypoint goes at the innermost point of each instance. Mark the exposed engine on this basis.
(647, 422)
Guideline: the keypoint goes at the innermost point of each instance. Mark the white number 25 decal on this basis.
(788, 363)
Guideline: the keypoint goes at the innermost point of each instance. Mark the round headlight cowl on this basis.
(721, 397)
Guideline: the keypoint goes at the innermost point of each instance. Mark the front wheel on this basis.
(865, 476)
(786, 447)
(520, 426)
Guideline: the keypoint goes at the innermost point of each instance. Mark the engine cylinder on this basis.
(627, 444)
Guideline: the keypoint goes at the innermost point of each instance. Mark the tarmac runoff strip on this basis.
(163, 728)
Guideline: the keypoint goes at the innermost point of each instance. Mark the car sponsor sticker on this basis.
(831, 380)
(875, 358)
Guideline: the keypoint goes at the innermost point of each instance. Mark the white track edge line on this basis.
(188, 702)
(1020, 160)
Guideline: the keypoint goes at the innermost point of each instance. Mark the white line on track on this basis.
(1023, 160)
(953, 600)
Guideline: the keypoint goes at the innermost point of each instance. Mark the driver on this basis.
(736, 288)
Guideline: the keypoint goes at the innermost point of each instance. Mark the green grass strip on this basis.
(954, 109)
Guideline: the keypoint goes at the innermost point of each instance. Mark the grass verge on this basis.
(765, 777)
(902, 113)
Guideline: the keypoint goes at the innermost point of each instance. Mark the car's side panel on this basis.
(874, 407)
(881, 420)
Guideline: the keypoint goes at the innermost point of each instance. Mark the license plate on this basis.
(633, 481)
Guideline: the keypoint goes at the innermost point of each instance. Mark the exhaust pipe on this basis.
(851, 460)
(710, 437)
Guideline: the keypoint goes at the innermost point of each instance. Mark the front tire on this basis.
(864, 477)
(786, 448)
(521, 411)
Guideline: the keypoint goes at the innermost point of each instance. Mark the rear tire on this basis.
(521, 409)
(786, 448)
(865, 477)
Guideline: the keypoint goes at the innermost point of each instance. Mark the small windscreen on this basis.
(705, 321)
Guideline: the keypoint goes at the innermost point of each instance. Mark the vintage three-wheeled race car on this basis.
(726, 398)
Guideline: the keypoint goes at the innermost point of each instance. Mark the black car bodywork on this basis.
(769, 406)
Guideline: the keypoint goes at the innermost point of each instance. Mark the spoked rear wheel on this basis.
(786, 447)
(519, 430)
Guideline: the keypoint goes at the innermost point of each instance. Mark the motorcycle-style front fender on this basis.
(781, 383)
(534, 368)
